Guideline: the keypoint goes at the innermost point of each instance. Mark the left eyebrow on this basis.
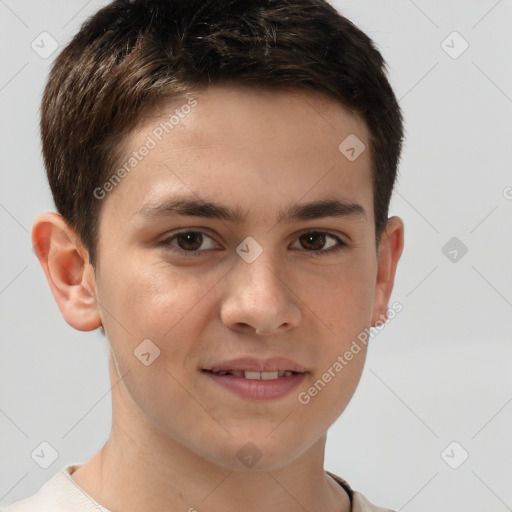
(191, 206)
(321, 209)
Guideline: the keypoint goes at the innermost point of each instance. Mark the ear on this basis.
(66, 265)
(390, 249)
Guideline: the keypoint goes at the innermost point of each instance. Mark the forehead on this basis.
(263, 112)
(253, 145)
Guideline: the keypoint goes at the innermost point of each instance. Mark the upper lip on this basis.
(253, 364)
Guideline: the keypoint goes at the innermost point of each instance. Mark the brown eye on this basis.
(188, 243)
(315, 242)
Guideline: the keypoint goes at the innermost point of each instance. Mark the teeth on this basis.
(256, 375)
(253, 375)
(266, 375)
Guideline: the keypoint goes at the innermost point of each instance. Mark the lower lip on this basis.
(258, 389)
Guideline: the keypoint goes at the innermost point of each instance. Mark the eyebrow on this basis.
(194, 207)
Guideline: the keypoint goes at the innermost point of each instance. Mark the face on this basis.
(205, 288)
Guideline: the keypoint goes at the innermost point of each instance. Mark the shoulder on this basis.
(359, 502)
(34, 503)
(59, 494)
(37, 502)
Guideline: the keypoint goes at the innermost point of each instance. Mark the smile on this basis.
(254, 385)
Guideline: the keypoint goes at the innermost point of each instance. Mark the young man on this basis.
(222, 172)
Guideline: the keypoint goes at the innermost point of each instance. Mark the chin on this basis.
(260, 454)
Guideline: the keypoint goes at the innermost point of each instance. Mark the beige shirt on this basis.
(62, 494)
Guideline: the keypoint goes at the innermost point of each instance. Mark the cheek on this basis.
(139, 303)
(149, 298)
(343, 305)
(330, 393)
(342, 299)
(152, 321)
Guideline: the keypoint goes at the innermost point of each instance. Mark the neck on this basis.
(130, 475)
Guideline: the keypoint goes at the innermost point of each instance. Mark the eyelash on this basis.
(314, 254)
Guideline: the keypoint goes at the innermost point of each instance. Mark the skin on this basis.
(175, 434)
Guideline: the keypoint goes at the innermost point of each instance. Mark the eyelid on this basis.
(342, 243)
(334, 234)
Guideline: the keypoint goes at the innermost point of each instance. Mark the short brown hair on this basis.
(133, 54)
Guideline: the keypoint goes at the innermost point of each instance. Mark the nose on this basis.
(260, 299)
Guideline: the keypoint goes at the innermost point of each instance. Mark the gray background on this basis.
(438, 373)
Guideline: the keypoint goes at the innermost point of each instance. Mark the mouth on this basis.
(256, 378)
(256, 385)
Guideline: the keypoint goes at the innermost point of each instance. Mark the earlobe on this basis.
(66, 265)
(390, 250)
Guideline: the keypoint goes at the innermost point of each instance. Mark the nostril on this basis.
(269, 331)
